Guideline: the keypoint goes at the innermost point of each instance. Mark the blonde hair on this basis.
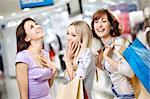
(84, 32)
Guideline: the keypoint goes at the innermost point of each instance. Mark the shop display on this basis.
(123, 19)
(35, 3)
(121, 10)
(124, 7)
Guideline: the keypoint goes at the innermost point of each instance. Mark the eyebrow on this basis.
(102, 18)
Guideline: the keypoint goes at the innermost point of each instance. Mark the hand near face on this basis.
(71, 49)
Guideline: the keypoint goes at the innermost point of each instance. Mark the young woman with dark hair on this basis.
(34, 70)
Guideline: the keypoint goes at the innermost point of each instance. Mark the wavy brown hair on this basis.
(20, 34)
(115, 31)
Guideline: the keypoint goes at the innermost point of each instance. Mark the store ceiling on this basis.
(9, 6)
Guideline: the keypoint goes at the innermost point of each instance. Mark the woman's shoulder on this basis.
(87, 52)
(23, 56)
(22, 53)
(86, 58)
(121, 41)
(96, 45)
(119, 38)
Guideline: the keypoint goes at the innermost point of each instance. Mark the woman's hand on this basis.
(108, 50)
(71, 49)
(70, 53)
(48, 63)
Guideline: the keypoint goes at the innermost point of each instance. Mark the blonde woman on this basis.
(80, 61)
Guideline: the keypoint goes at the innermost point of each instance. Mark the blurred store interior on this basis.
(54, 18)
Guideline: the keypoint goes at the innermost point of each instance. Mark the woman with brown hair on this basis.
(34, 70)
(106, 28)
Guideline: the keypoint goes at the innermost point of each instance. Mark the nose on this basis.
(68, 37)
(100, 23)
(38, 29)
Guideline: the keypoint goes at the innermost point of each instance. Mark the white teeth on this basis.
(100, 30)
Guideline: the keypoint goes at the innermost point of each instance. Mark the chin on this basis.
(43, 35)
(100, 35)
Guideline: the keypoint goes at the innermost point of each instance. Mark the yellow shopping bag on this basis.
(72, 90)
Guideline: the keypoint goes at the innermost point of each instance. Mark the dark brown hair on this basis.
(115, 31)
(20, 34)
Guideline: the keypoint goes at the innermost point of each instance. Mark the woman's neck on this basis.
(107, 39)
(36, 47)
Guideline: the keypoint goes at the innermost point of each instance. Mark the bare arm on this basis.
(73, 47)
(69, 68)
(107, 51)
(52, 65)
(111, 62)
(51, 81)
(22, 79)
(121, 66)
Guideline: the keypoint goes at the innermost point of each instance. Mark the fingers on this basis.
(73, 46)
(45, 60)
(112, 46)
(76, 47)
(44, 64)
(100, 50)
(109, 47)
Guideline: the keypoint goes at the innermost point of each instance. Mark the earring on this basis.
(111, 28)
(112, 31)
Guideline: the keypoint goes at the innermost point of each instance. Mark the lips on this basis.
(100, 30)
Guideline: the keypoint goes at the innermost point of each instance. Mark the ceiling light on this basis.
(13, 14)
(91, 1)
(26, 9)
(1, 17)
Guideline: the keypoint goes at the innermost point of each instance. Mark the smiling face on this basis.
(33, 31)
(71, 34)
(102, 26)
